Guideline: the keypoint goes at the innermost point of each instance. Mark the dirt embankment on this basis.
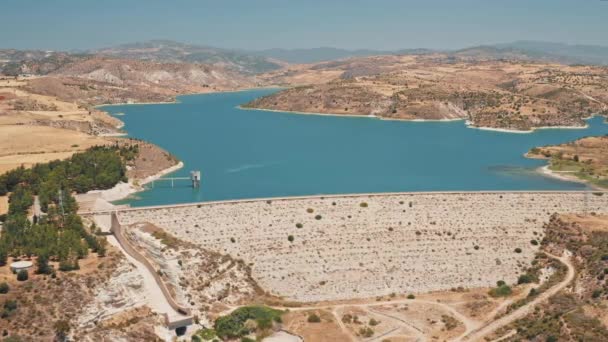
(498, 94)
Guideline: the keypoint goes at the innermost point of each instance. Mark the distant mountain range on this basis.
(175, 52)
(520, 50)
(322, 54)
(249, 62)
(546, 51)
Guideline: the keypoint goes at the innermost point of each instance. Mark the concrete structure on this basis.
(195, 178)
(182, 316)
(21, 265)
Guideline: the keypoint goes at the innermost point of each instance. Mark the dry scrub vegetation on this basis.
(500, 94)
(585, 159)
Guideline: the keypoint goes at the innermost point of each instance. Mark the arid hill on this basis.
(109, 80)
(499, 94)
(585, 159)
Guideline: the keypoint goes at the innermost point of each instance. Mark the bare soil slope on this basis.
(500, 94)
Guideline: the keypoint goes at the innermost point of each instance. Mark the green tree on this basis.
(22, 275)
(42, 264)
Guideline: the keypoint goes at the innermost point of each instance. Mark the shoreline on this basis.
(122, 191)
(563, 176)
(468, 124)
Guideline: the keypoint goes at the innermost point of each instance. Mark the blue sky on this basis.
(259, 24)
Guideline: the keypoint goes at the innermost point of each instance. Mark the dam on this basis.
(323, 248)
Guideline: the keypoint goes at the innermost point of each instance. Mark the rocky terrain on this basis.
(48, 305)
(400, 267)
(397, 243)
(492, 93)
(102, 80)
(577, 313)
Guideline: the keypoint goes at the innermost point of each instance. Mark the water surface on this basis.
(249, 153)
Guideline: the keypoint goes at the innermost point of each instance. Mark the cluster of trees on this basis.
(99, 167)
(59, 234)
(233, 325)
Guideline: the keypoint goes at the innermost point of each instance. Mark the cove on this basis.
(254, 154)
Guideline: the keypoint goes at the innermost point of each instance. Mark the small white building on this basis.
(21, 265)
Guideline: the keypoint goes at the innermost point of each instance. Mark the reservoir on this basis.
(253, 154)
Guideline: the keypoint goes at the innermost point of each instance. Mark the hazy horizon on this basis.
(266, 24)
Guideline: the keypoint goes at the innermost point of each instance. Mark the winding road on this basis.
(491, 327)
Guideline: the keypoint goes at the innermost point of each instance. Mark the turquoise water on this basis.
(248, 154)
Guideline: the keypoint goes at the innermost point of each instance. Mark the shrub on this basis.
(290, 238)
(22, 275)
(366, 332)
(309, 210)
(313, 318)
(501, 291)
(373, 322)
(525, 279)
(8, 308)
(348, 318)
(299, 225)
(534, 242)
(318, 217)
(363, 205)
(233, 326)
(42, 264)
(411, 296)
(517, 250)
(4, 288)
(500, 283)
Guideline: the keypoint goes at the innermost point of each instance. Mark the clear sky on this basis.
(259, 24)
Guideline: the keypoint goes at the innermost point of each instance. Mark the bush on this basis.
(205, 334)
(517, 250)
(4, 288)
(233, 326)
(22, 275)
(366, 332)
(8, 308)
(290, 238)
(411, 296)
(373, 322)
(525, 279)
(318, 217)
(309, 210)
(299, 225)
(501, 291)
(363, 205)
(313, 318)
